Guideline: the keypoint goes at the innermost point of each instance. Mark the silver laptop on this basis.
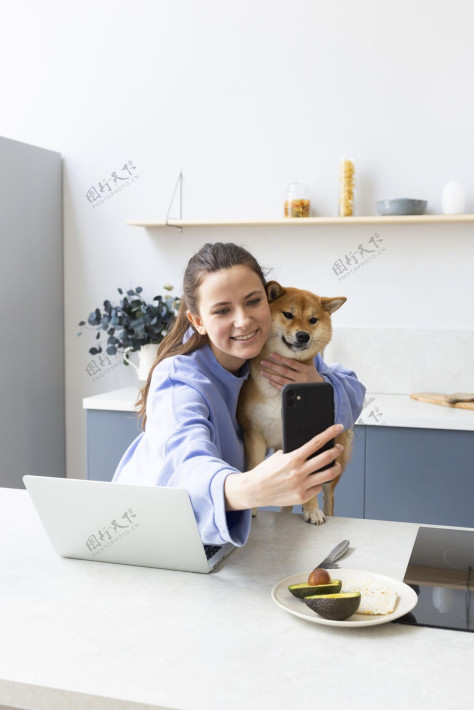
(148, 526)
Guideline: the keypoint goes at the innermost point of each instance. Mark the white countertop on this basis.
(122, 400)
(86, 635)
(397, 410)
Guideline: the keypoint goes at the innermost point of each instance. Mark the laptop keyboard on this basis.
(211, 550)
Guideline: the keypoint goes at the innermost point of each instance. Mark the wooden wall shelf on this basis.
(306, 222)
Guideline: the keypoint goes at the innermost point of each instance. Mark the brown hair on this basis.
(210, 258)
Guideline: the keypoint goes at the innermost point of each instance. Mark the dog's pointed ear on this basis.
(333, 304)
(274, 291)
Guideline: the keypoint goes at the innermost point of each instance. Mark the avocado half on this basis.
(336, 607)
(307, 590)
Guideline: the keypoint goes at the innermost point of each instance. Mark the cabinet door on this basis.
(349, 496)
(420, 475)
(109, 434)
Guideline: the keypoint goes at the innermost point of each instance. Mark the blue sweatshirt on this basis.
(193, 441)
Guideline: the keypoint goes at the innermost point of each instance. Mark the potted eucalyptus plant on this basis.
(132, 324)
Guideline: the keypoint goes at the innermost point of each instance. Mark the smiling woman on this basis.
(191, 436)
(238, 327)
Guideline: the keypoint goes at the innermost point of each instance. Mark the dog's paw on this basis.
(315, 516)
(254, 512)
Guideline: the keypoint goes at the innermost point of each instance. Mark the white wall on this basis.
(245, 97)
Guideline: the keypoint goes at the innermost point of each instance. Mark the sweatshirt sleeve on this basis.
(193, 461)
(349, 393)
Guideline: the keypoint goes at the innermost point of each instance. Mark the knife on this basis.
(336, 554)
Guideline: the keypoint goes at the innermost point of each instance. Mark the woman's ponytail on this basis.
(181, 340)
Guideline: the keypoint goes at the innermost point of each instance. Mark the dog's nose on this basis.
(302, 337)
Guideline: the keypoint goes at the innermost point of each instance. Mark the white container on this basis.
(146, 358)
(453, 198)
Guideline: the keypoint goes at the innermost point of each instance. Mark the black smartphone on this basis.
(307, 410)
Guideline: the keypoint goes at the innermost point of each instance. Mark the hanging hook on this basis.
(179, 183)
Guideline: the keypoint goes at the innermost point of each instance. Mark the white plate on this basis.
(406, 598)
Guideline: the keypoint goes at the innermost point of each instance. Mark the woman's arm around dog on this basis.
(349, 392)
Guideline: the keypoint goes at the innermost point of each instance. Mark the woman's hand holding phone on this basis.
(286, 479)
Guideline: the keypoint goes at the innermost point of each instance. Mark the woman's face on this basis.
(234, 313)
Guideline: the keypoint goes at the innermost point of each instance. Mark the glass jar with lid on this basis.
(297, 202)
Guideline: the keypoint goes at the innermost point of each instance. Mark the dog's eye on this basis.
(288, 315)
(313, 320)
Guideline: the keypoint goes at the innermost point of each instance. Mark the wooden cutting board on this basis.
(460, 400)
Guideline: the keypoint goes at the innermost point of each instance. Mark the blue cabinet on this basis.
(395, 473)
(349, 495)
(420, 475)
(109, 434)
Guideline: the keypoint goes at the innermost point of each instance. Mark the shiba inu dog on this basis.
(301, 328)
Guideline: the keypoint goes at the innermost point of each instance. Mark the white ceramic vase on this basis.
(453, 198)
(146, 358)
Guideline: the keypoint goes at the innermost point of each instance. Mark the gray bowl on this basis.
(400, 206)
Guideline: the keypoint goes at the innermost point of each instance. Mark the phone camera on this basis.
(293, 398)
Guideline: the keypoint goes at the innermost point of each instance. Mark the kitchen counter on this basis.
(396, 410)
(79, 634)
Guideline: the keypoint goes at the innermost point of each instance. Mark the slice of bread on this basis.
(376, 598)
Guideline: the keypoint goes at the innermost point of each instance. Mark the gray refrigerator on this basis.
(32, 409)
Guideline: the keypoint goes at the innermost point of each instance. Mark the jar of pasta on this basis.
(297, 202)
(346, 188)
